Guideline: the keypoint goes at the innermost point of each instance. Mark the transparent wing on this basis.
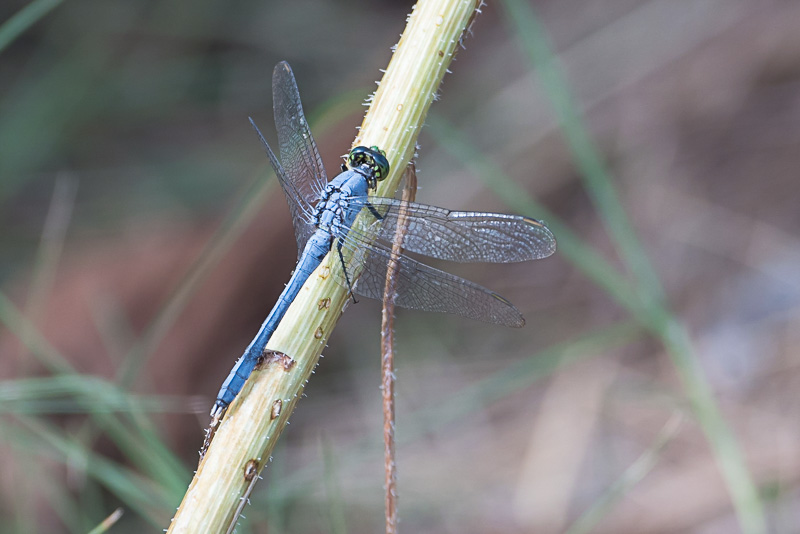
(304, 179)
(462, 236)
(300, 212)
(421, 287)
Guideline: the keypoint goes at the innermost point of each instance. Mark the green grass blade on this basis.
(139, 493)
(632, 476)
(649, 312)
(33, 341)
(644, 300)
(588, 159)
(142, 444)
(24, 19)
(72, 393)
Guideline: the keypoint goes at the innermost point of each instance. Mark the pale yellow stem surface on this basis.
(250, 429)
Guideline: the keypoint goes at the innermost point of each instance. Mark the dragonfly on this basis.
(324, 216)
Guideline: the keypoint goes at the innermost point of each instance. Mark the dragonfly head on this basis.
(374, 159)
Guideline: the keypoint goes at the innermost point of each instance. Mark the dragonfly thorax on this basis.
(341, 201)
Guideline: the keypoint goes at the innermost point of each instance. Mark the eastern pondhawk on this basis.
(323, 215)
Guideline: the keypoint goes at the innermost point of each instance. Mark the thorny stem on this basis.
(247, 435)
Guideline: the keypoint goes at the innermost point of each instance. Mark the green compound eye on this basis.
(372, 157)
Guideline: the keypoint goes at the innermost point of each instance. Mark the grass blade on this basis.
(24, 19)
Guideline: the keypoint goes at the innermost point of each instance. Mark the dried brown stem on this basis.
(387, 358)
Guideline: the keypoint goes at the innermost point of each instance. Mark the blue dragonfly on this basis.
(323, 214)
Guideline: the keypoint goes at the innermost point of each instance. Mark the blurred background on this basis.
(143, 239)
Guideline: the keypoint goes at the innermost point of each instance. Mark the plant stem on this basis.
(387, 360)
(246, 437)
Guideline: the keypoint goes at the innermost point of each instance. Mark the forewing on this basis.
(462, 236)
(298, 208)
(300, 158)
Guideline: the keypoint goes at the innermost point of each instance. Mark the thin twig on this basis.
(387, 357)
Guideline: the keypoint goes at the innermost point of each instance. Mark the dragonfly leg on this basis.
(373, 211)
(344, 269)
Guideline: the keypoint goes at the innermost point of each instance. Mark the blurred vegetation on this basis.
(144, 240)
